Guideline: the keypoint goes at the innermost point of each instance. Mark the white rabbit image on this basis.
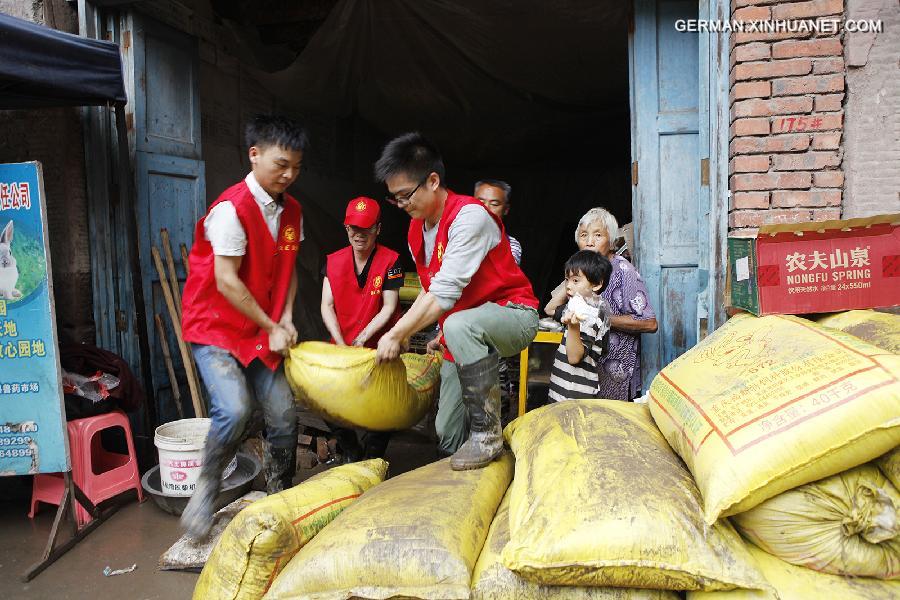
(9, 273)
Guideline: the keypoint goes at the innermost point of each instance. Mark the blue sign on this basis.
(32, 419)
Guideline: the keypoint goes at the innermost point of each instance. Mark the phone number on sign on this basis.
(20, 440)
(16, 453)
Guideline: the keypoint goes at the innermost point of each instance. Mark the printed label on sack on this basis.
(762, 387)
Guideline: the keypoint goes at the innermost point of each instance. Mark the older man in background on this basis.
(495, 195)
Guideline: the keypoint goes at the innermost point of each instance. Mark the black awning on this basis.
(43, 67)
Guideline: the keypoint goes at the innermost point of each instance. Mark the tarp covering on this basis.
(486, 78)
(42, 67)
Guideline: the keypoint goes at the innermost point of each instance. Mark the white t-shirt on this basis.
(223, 228)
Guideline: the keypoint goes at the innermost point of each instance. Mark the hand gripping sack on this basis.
(599, 499)
(416, 535)
(798, 583)
(846, 524)
(263, 537)
(766, 404)
(491, 580)
(878, 328)
(344, 385)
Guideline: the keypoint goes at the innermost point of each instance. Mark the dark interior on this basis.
(507, 90)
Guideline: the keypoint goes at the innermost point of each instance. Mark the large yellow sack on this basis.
(344, 385)
(491, 580)
(798, 583)
(846, 524)
(417, 535)
(263, 537)
(766, 404)
(878, 328)
(890, 466)
(599, 499)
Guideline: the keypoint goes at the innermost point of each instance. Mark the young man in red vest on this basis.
(361, 301)
(470, 284)
(238, 311)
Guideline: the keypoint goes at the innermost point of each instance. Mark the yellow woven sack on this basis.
(878, 328)
(416, 535)
(491, 580)
(798, 583)
(890, 466)
(766, 404)
(846, 524)
(263, 537)
(344, 385)
(599, 499)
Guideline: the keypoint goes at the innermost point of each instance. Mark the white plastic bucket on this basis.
(180, 447)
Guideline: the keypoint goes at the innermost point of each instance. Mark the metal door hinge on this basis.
(704, 171)
(121, 321)
(634, 173)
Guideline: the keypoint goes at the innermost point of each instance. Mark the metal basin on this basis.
(233, 487)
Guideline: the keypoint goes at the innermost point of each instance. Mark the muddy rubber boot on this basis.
(197, 517)
(480, 385)
(281, 465)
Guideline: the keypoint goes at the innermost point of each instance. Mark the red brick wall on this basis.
(787, 94)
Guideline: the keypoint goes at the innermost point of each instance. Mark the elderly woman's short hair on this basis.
(600, 214)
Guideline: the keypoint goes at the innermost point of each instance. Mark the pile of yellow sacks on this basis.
(765, 465)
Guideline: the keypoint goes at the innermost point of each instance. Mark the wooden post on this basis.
(173, 274)
(184, 260)
(196, 399)
(170, 368)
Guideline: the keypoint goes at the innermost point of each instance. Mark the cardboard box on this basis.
(827, 266)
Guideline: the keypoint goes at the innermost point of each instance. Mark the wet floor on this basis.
(136, 534)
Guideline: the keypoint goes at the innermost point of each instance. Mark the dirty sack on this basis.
(846, 524)
(599, 499)
(766, 404)
(799, 583)
(345, 386)
(890, 466)
(416, 535)
(187, 554)
(491, 580)
(263, 537)
(878, 328)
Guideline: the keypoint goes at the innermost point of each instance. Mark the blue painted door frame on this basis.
(169, 175)
(676, 106)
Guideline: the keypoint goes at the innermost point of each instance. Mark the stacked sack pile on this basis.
(765, 465)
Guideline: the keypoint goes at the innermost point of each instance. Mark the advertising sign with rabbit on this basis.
(32, 418)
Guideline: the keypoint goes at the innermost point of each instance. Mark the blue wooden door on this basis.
(666, 198)
(169, 174)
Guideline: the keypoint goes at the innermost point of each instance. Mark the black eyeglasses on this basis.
(403, 201)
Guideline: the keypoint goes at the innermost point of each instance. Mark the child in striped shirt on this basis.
(575, 371)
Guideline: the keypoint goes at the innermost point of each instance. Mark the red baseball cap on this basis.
(362, 212)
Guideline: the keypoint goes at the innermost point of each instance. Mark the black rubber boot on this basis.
(281, 465)
(197, 517)
(480, 385)
(375, 443)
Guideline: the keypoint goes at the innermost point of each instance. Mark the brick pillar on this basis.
(787, 94)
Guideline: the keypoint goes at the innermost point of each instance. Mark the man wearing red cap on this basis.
(360, 292)
(360, 300)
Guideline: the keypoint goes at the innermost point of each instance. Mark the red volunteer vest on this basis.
(356, 307)
(499, 279)
(266, 270)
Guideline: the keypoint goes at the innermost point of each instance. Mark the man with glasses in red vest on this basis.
(361, 301)
(238, 312)
(470, 285)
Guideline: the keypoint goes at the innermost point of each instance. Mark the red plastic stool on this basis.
(99, 473)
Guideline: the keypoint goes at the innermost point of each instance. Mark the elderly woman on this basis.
(620, 367)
